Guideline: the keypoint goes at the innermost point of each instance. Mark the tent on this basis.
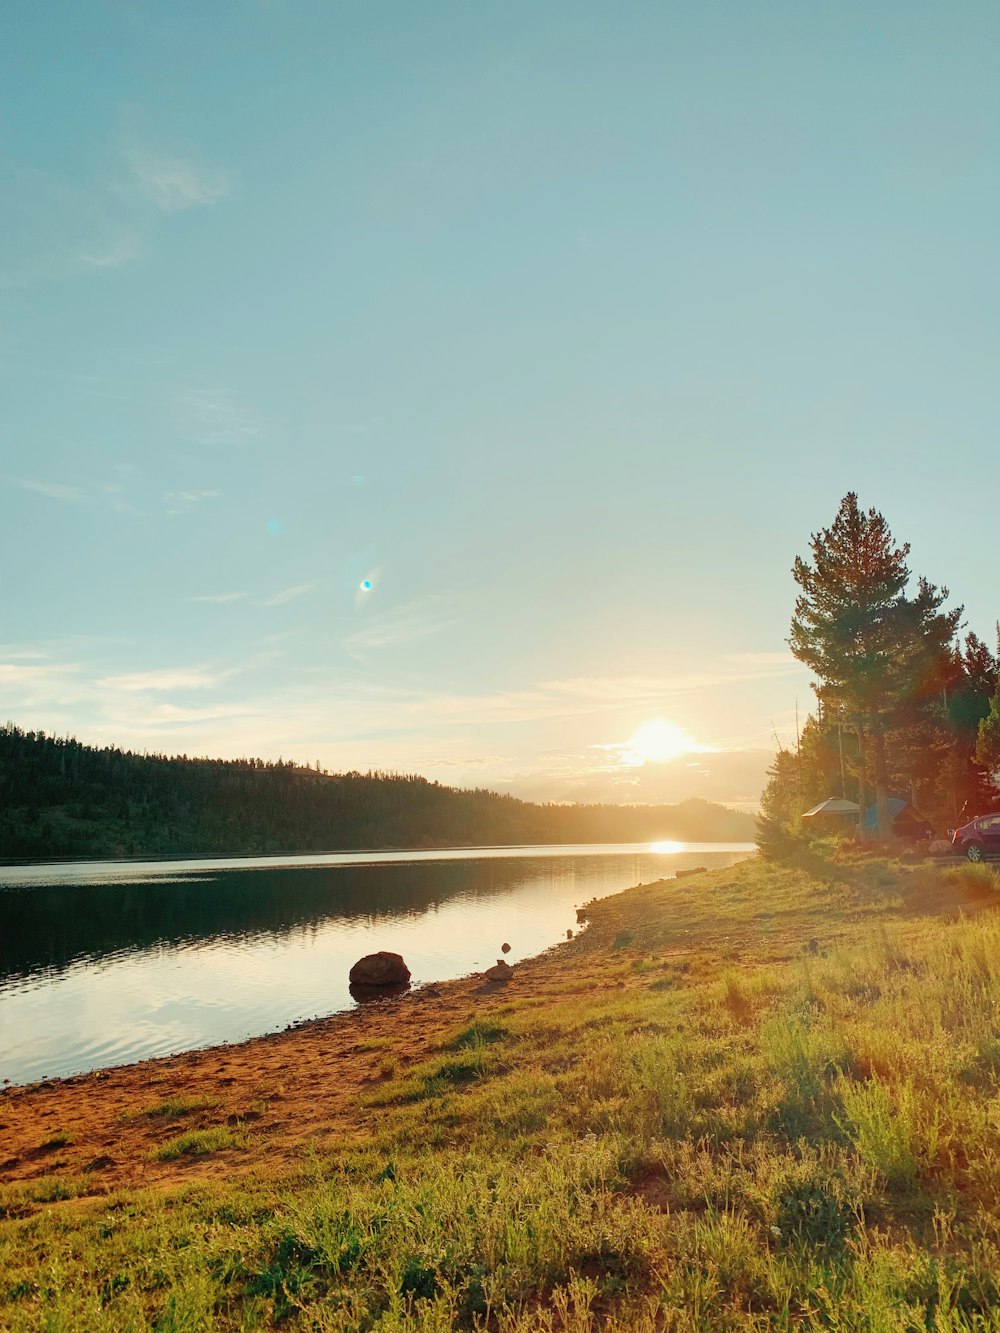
(906, 821)
(833, 805)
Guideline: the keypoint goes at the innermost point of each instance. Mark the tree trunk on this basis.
(862, 831)
(881, 788)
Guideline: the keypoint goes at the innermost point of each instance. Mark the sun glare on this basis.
(666, 848)
(658, 742)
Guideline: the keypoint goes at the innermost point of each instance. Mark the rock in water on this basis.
(380, 969)
(502, 972)
(505, 948)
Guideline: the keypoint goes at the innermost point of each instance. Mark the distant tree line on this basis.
(905, 706)
(59, 798)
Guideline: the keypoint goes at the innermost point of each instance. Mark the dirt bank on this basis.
(292, 1090)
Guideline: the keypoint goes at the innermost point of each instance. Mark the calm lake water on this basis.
(103, 964)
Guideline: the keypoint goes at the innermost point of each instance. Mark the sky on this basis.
(449, 388)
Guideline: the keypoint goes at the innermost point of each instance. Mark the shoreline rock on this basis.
(380, 969)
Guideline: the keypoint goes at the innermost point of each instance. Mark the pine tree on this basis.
(988, 739)
(779, 807)
(879, 655)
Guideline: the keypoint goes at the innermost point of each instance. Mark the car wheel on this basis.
(974, 851)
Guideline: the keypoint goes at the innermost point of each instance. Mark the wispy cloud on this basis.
(183, 678)
(220, 598)
(287, 594)
(54, 490)
(111, 494)
(33, 672)
(581, 696)
(115, 255)
(214, 416)
(405, 624)
(53, 227)
(180, 502)
(172, 183)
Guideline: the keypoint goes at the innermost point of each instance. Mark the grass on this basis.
(706, 1121)
(58, 1140)
(198, 1141)
(173, 1108)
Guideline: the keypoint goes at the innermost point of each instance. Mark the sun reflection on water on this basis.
(666, 848)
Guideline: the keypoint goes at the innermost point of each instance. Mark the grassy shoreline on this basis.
(761, 1097)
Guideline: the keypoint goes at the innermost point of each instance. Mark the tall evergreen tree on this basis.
(878, 654)
(779, 806)
(988, 738)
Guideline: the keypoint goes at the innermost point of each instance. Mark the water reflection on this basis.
(52, 925)
(113, 969)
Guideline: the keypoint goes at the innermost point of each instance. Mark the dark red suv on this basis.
(978, 839)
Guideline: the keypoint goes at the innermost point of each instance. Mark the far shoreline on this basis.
(443, 851)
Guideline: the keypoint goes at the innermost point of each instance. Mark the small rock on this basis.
(505, 948)
(380, 969)
(502, 972)
(812, 946)
(569, 934)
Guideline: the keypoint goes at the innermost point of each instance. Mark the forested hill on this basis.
(62, 799)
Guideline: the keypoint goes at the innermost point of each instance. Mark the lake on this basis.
(106, 963)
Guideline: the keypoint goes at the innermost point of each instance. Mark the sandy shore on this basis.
(295, 1090)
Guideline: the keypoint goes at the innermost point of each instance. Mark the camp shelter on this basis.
(834, 806)
(907, 822)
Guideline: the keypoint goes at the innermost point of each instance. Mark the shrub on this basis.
(813, 1205)
(884, 1128)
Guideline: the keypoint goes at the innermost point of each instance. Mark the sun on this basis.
(658, 741)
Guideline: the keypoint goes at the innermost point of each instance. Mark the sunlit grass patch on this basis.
(978, 880)
(805, 1055)
(889, 1128)
(474, 1060)
(60, 1139)
(481, 1032)
(814, 1204)
(746, 994)
(172, 1108)
(198, 1141)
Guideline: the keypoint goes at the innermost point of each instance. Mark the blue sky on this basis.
(564, 324)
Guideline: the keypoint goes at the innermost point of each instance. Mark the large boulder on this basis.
(940, 847)
(501, 972)
(380, 969)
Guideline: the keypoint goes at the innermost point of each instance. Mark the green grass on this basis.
(173, 1108)
(780, 1136)
(58, 1140)
(198, 1141)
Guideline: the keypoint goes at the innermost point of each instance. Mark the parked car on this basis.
(979, 839)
